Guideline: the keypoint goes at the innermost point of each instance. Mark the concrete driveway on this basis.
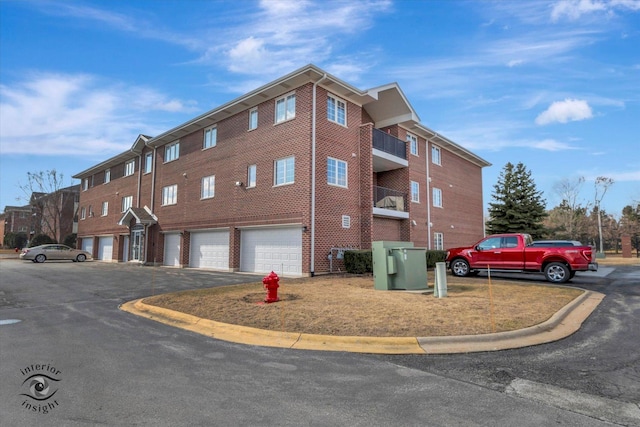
(105, 366)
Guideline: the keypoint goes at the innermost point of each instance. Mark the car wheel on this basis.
(81, 258)
(460, 267)
(557, 272)
(40, 258)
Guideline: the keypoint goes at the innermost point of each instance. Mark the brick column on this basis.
(366, 185)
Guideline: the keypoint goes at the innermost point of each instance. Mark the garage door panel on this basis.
(210, 249)
(172, 249)
(273, 249)
(105, 248)
(87, 244)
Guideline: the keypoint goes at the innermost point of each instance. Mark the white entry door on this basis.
(137, 245)
(272, 249)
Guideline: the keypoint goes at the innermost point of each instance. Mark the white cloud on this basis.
(284, 34)
(576, 9)
(569, 110)
(59, 114)
(550, 145)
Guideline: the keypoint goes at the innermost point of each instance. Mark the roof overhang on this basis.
(135, 151)
(141, 216)
(389, 106)
(304, 75)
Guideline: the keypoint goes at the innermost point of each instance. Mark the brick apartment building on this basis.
(16, 219)
(53, 214)
(56, 212)
(281, 176)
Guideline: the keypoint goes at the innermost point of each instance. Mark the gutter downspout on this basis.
(313, 178)
(153, 190)
(139, 180)
(428, 155)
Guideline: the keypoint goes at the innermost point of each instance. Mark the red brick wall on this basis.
(461, 217)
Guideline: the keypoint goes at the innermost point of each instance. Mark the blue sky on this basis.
(552, 84)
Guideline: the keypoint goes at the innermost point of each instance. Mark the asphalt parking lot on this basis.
(118, 369)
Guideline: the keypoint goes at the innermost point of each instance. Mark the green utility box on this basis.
(398, 265)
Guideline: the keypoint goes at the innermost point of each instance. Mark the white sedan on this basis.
(54, 251)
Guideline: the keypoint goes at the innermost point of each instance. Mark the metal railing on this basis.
(386, 198)
(389, 144)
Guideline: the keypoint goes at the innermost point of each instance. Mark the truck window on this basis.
(490, 243)
(510, 242)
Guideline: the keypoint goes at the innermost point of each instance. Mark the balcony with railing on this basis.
(389, 203)
(389, 152)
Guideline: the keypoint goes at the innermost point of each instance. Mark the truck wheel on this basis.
(460, 267)
(557, 272)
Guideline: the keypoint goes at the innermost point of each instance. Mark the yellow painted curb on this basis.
(381, 345)
(562, 324)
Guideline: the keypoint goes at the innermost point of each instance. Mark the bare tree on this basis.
(602, 184)
(50, 201)
(569, 210)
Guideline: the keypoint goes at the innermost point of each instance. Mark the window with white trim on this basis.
(90, 211)
(83, 213)
(172, 152)
(148, 162)
(105, 208)
(437, 197)
(210, 137)
(129, 167)
(436, 155)
(107, 176)
(251, 176)
(170, 195)
(284, 171)
(336, 110)
(336, 172)
(85, 184)
(415, 192)
(286, 108)
(413, 143)
(127, 202)
(253, 118)
(208, 189)
(91, 180)
(438, 241)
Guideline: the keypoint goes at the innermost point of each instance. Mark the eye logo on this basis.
(39, 387)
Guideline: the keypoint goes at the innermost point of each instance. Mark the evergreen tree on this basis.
(518, 206)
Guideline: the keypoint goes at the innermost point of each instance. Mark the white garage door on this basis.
(87, 244)
(105, 248)
(209, 249)
(272, 249)
(172, 249)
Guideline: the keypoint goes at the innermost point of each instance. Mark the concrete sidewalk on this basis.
(562, 324)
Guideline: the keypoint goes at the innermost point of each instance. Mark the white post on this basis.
(440, 288)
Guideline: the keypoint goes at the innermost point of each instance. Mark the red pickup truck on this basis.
(514, 253)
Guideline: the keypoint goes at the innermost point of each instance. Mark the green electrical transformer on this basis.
(399, 265)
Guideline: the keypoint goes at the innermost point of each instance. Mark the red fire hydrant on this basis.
(270, 282)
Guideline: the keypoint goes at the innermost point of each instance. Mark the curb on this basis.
(562, 324)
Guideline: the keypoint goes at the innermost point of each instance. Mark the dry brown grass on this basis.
(616, 259)
(349, 306)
